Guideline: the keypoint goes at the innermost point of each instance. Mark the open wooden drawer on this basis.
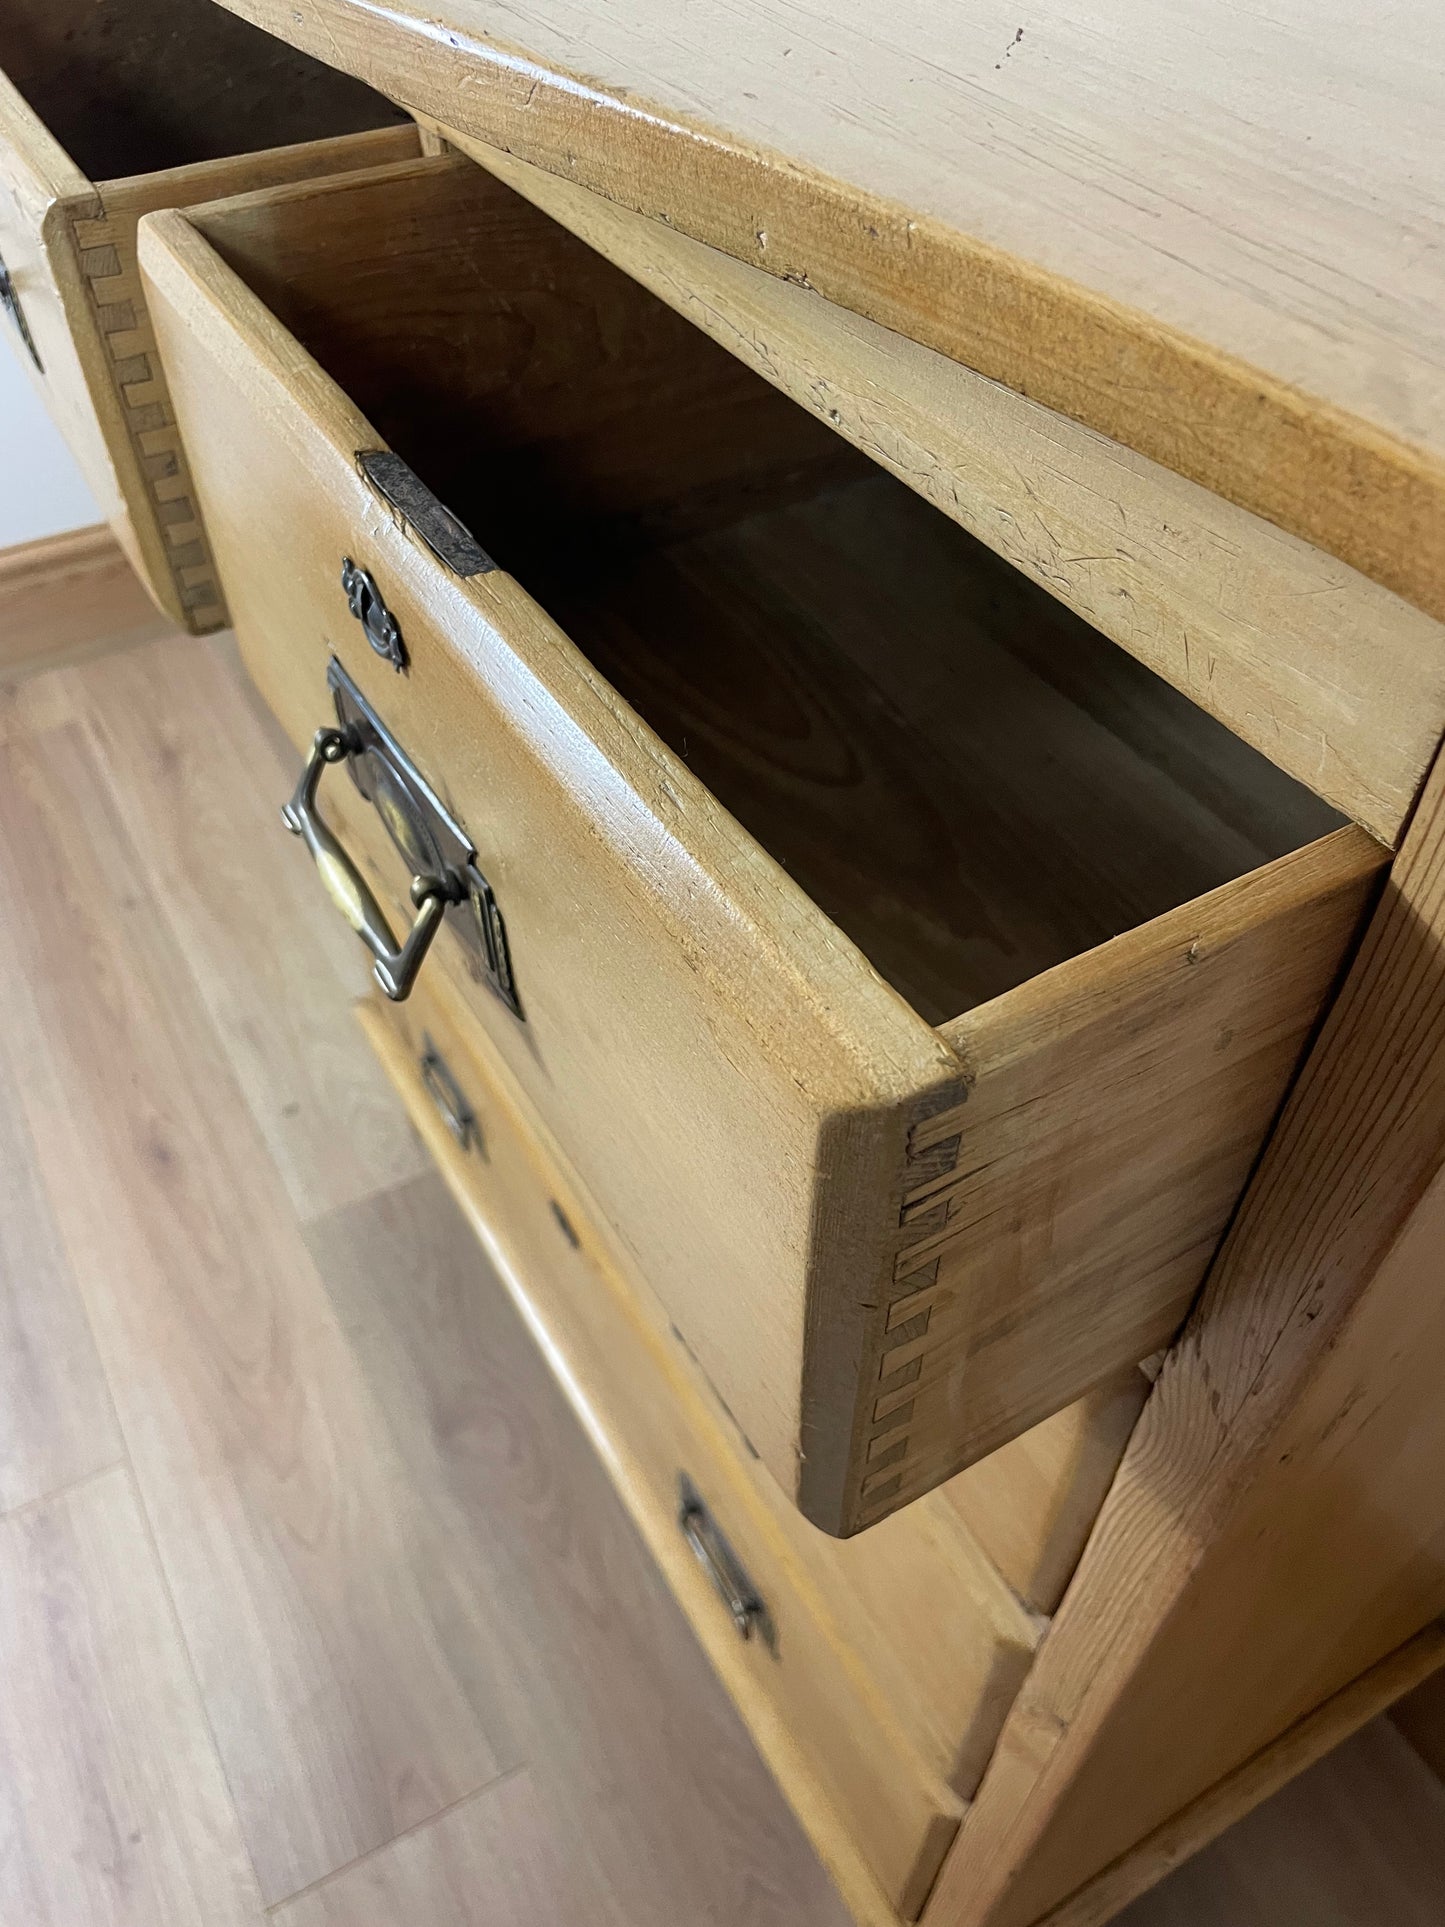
(910, 976)
(109, 108)
(874, 1673)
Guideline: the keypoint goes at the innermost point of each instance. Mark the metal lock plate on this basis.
(418, 509)
(428, 837)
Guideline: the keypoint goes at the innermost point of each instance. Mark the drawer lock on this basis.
(445, 877)
(10, 302)
(722, 1566)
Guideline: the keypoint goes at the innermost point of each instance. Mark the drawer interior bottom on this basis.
(964, 776)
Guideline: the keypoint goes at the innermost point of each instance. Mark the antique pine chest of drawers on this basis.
(910, 976)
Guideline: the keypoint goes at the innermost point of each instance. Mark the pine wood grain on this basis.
(667, 908)
(1051, 1177)
(348, 1686)
(1032, 1504)
(1336, 679)
(929, 747)
(1274, 1527)
(1216, 241)
(113, 1807)
(198, 781)
(970, 782)
(472, 338)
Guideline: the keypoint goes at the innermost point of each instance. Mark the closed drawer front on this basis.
(909, 975)
(108, 109)
(874, 1673)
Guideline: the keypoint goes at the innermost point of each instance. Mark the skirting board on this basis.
(68, 596)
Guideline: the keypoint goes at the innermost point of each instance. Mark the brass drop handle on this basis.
(396, 964)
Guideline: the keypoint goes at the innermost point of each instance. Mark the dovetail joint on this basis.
(111, 272)
(904, 1330)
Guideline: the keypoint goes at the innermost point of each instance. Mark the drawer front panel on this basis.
(741, 1572)
(732, 1079)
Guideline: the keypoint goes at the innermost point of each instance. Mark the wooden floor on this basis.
(313, 1603)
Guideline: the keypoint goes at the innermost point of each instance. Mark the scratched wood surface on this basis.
(1216, 237)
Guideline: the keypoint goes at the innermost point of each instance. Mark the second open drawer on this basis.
(108, 109)
(910, 976)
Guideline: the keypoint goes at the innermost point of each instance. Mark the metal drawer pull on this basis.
(10, 302)
(396, 964)
(439, 855)
(722, 1566)
(445, 1092)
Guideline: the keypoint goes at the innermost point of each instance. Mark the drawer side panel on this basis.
(1061, 1220)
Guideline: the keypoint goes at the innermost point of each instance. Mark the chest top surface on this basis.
(1213, 233)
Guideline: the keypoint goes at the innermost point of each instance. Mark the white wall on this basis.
(41, 490)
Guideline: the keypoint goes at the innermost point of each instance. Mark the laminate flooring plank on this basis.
(57, 1425)
(200, 784)
(29, 704)
(621, 1720)
(500, 1857)
(350, 1683)
(113, 1808)
(1357, 1841)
